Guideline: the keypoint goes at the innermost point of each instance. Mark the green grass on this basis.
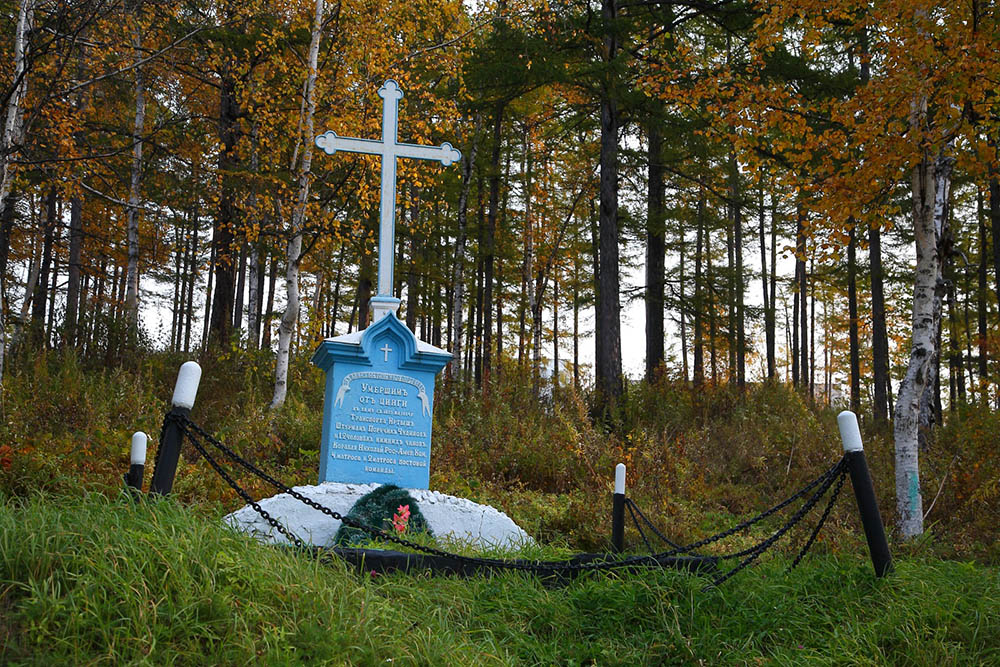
(87, 580)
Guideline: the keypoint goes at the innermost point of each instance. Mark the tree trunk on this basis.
(713, 359)
(73, 281)
(730, 299)
(38, 299)
(930, 400)
(135, 186)
(458, 275)
(880, 337)
(335, 307)
(528, 263)
(956, 375)
(609, 369)
(12, 136)
(995, 226)
(256, 275)
(576, 323)
(220, 327)
(34, 268)
(682, 304)
(803, 303)
(909, 503)
(852, 310)
(253, 307)
(12, 127)
(241, 285)
(655, 251)
(192, 276)
(739, 288)
(489, 249)
(768, 312)
(412, 276)
(982, 298)
(177, 303)
(795, 326)
(291, 315)
(555, 331)
(595, 256)
(699, 348)
(208, 294)
(366, 281)
(774, 277)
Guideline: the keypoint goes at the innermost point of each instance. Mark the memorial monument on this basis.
(379, 399)
(380, 381)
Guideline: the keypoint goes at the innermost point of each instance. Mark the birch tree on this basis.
(12, 134)
(294, 248)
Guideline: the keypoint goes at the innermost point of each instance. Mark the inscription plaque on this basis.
(379, 404)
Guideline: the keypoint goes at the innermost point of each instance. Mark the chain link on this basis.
(754, 552)
(632, 506)
(638, 526)
(822, 520)
(825, 480)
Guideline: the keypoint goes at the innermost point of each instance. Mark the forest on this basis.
(808, 193)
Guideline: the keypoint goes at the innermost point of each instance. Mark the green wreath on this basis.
(377, 509)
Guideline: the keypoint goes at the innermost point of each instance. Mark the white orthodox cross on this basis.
(389, 149)
(385, 348)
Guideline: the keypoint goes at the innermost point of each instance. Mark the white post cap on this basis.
(187, 385)
(850, 433)
(620, 478)
(139, 440)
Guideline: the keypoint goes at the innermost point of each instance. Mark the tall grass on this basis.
(92, 580)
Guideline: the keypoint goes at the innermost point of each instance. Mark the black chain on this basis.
(822, 520)
(638, 526)
(760, 517)
(531, 566)
(247, 498)
(192, 430)
(632, 506)
(754, 552)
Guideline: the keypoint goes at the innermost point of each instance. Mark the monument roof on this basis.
(354, 338)
(358, 347)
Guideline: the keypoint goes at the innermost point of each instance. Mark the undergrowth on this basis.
(697, 460)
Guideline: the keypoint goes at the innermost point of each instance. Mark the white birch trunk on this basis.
(943, 166)
(135, 183)
(12, 114)
(291, 315)
(12, 135)
(909, 503)
(253, 315)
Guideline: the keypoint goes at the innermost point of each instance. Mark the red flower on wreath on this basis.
(401, 519)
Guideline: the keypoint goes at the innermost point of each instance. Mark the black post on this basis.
(864, 493)
(137, 466)
(133, 479)
(618, 511)
(168, 453)
(171, 437)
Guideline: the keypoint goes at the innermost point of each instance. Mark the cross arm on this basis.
(445, 153)
(330, 142)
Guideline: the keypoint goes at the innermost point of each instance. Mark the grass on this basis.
(92, 580)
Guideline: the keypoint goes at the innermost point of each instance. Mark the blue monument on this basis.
(380, 381)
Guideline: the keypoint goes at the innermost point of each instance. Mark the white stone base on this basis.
(447, 516)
